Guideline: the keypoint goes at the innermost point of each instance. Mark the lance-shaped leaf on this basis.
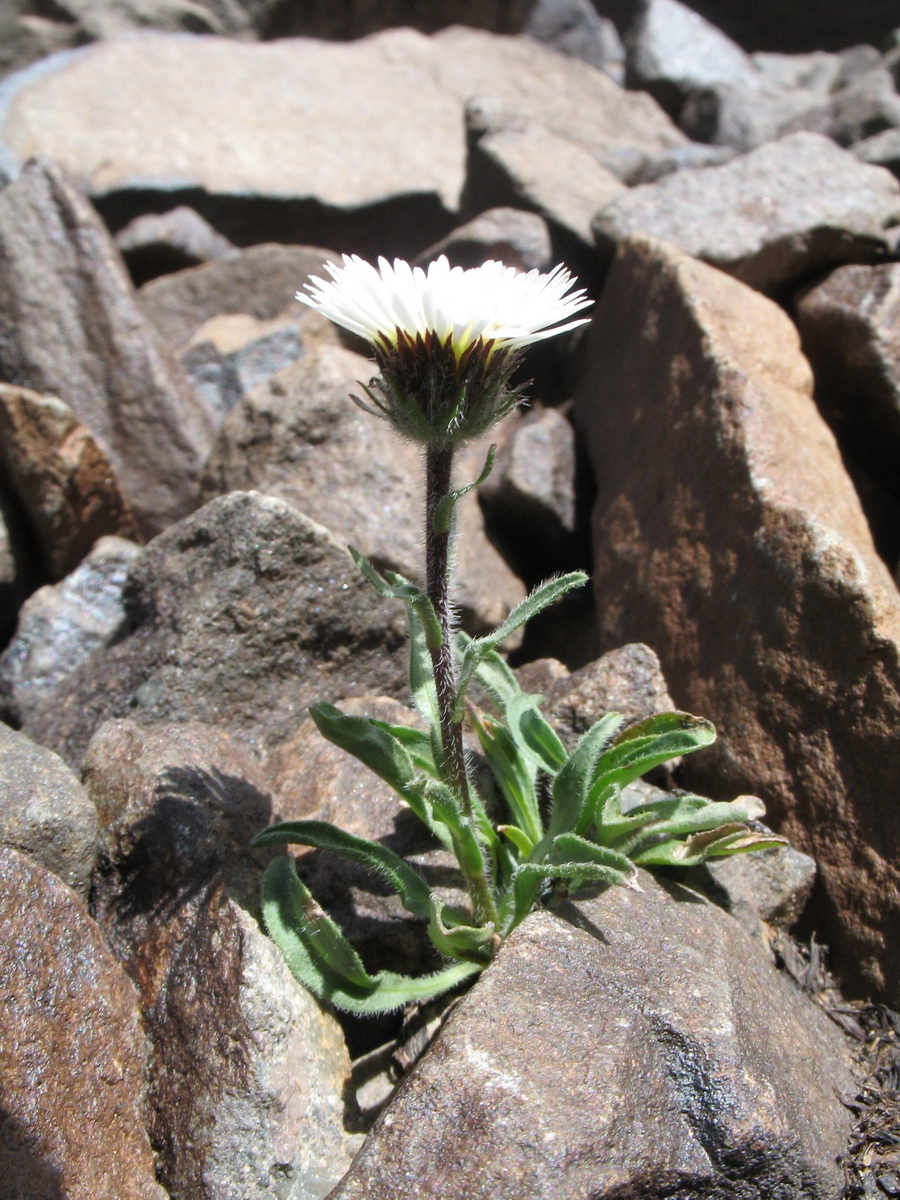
(417, 744)
(458, 940)
(529, 879)
(443, 513)
(571, 848)
(497, 679)
(321, 958)
(535, 737)
(646, 745)
(394, 587)
(515, 775)
(570, 812)
(534, 603)
(715, 843)
(371, 743)
(410, 887)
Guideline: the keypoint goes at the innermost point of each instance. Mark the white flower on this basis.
(494, 304)
(447, 341)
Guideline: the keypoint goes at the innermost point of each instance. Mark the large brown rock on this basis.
(770, 217)
(730, 540)
(61, 478)
(72, 1059)
(239, 616)
(632, 1044)
(69, 327)
(299, 437)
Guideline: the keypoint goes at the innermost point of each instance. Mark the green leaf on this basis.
(294, 922)
(417, 744)
(569, 847)
(514, 774)
(497, 679)
(394, 587)
(457, 940)
(715, 843)
(443, 513)
(373, 744)
(570, 812)
(534, 734)
(411, 888)
(476, 649)
(518, 837)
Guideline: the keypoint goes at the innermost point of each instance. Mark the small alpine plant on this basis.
(447, 343)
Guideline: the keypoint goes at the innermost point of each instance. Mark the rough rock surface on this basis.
(574, 27)
(511, 235)
(259, 282)
(300, 438)
(69, 327)
(61, 478)
(867, 106)
(61, 625)
(750, 570)
(850, 330)
(72, 1065)
(45, 812)
(633, 1044)
(783, 211)
(239, 616)
(158, 243)
(229, 355)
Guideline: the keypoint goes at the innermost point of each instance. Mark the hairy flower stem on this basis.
(438, 550)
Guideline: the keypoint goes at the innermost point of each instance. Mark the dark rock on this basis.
(60, 627)
(632, 1044)
(868, 106)
(797, 28)
(771, 886)
(159, 243)
(69, 327)
(770, 217)
(44, 811)
(239, 616)
(229, 355)
(260, 282)
(850, 331)
(574, 27)
(511, 235)
(17, 567)
(72, 1055)
(299, 437)
(61, 479)
(357, 18)
(749, 568)
(26, 37)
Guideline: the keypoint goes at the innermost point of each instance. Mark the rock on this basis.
(530, 496)
(25, 38)
(867, 106)
(61, 626)
(880, 150)
(259, 282)
(300, 438)
(519, 239)
(239, 616)
(508, 166)
(229, 355)
(771, 886)
(672, 51)
(630, 1044)
(770, 217)
(74, 1063)
(16, 568)
(694, 154)
(817, 71)
(750, 570)
(574, 27)
(744, 117)
(158, 243)
(61, 478)
(315, 780)
(44, 811)
(850, 330)
(69, 328)
(110, 18)
(178, 805)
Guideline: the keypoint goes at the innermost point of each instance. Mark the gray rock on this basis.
(672, 51)
(850, 331)
(69, 327)
(867, 106)
(745, 116)
(45, 812)
(72, 1053)
(229, 355)
(110, 18)
(61, 478)
(158, 243)
(61, 626)
(880, 150)
(260, 282)
(239, 616)
(574, 27)
(729, 538)
(25, 38)
(817, 71)
(632, 1044)
(783, 211)
(300, 438)
(694, 154)
(771, 886)
(511, 235)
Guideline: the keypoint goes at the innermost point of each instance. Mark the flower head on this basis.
(446, 340)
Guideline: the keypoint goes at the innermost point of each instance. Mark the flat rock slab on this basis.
(71, 1049)
(240, 616)
(769, 217)
(729, 538)
(633, 1044)
(69, 327)
(299, 437)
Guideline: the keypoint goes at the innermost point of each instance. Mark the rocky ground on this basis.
(180, 472)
